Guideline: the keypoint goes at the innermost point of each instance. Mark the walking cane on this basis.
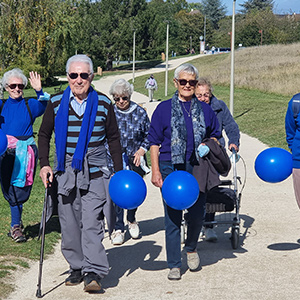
(39, 292)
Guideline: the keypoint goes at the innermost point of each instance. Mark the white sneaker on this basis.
(174, 274)
(118, 237)
(193, 260)
(134, 229)
(210, 235)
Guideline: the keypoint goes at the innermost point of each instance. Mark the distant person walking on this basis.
(151, 85)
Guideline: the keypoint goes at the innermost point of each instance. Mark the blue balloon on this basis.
(273, 165)
(3, 142)
(180, 190)
(127, 189)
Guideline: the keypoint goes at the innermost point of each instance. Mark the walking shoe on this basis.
(134, 230)
(92, 282)
(16, 234)
(210, 235)
(118, 237)
(174, 274)
(74, 278)
(202, 233)
(193, 260)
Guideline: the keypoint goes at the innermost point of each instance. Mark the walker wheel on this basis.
(235, 237)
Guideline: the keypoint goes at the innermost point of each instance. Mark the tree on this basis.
(177, 5)
(191, 27)
(264, 24)
(195, 6)
(250, 5)
(214, 11)
(222, 36)
(30, 34)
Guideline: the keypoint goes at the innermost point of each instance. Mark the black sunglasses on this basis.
(14, 85)
(82, 75)
(184, 82)
(119, 98)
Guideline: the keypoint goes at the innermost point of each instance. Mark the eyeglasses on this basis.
(82, 75)
(206, 95)
(184, 82)
(119, 98)
(14, 85)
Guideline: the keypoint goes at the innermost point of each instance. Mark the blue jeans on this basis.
(120, 216)
(173, 220)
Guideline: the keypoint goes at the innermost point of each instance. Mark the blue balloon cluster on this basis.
(273, 165)
(3, 142)
(127, 189)
(180, 190)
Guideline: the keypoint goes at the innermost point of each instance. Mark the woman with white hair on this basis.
(178, 127)
(133, 124)
(18, 163)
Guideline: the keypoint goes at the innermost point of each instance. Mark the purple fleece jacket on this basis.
(160, 128)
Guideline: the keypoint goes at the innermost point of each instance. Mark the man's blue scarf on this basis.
(61, 129)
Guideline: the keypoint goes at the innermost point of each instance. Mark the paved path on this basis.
(265, 266)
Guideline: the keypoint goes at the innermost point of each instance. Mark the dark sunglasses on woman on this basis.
(14, 85)
(119, 98)
(184, 82)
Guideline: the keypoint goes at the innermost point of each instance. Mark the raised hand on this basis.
(35, 81)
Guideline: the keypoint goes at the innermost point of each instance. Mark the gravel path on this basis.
(265, 266)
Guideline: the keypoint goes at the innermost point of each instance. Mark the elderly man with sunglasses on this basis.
(83, 120)
(18, 163)
(178, 127)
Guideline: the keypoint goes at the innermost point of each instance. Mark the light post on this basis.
(191, 44)
(200, 38)
(133, 56)
(204, 33)
(167, 60)
(261, 33)
(232, 59)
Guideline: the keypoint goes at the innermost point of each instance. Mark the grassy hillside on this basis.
(265, 79)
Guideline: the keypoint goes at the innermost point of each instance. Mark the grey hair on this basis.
(186, 68)
(205, 81)
(80, 58)
(16, 72)
(121, 87)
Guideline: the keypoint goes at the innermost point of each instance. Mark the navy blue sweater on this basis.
(226, 122)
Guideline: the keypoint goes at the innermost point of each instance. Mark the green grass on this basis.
(258, 114)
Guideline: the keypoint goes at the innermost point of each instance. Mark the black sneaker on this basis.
(75, 278)
(92, 282)
(16, 234)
